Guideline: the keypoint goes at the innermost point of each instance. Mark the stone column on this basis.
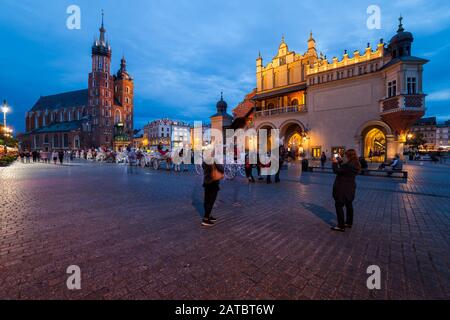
(391, 146)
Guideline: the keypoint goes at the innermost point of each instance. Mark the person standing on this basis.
(55, 156)
(61, 156)
(27, 156)
(323, 160)
(212, 174)
(281, 157)
(344, 188)
(34, 155)
(249, 169)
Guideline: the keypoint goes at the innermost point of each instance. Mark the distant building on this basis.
(180, 135)
(427, 127)
(206, 136)
(170, 133)
(158, 131)
(99, 116)
(138, 139)
(443, 135)
(221, 120)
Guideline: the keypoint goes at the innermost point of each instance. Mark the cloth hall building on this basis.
(99, 116)
(366, 101)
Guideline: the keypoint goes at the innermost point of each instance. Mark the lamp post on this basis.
(5, 110)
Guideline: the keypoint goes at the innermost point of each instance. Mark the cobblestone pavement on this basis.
(136, 234)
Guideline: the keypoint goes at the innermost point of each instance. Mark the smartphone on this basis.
(336, 155)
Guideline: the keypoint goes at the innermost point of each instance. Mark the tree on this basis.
(416, 141)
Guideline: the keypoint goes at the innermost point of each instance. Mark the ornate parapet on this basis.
(323, 65)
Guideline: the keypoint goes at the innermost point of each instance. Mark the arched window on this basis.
(36, 141)
(55, 142)
(117, 117)
(294, 102)
(46, 138)
(36, 121)
(270, 106)
(76, 142)
(65, 143)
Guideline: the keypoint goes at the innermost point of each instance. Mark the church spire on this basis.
(123, 64)
(102, 31)
(400, 25)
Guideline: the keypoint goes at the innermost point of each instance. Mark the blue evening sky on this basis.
(182, 53)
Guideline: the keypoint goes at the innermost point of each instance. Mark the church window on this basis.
(117, 117)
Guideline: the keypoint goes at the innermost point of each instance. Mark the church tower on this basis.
(100, 91)
(221, 120)
(123, 107)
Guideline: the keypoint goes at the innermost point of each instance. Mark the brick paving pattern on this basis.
(136, 234)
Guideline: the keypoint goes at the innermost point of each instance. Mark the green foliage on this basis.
(416, 141)
(6, 160)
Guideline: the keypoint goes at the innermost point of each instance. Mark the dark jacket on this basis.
(344, 185)
(207, 171)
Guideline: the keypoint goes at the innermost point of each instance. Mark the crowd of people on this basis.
(346, 167)
(55, 156)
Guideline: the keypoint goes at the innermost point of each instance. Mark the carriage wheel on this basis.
(155, 164)
(242, 171)
(228, 172)
(199, 169)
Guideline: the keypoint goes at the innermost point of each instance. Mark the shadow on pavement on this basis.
(326, 216)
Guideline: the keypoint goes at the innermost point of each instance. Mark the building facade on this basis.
(169, 133)
(427, 128)
(158, 131)
(436, 135)
(181, 132)
(205, 139)
(366, 102)
(443, 135)
(99, 116)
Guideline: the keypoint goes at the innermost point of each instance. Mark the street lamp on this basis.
(5, 110)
